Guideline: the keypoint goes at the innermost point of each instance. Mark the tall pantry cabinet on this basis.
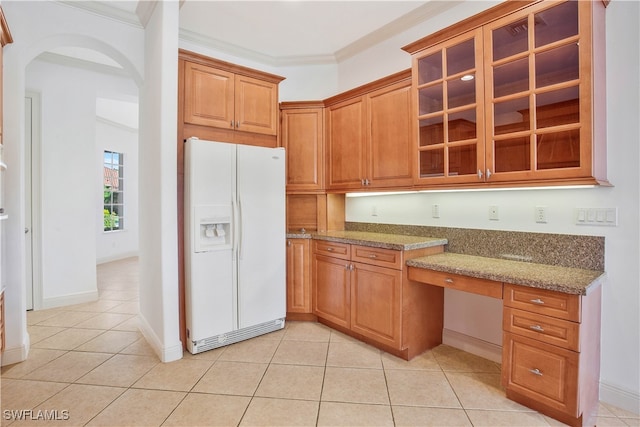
(5, 38)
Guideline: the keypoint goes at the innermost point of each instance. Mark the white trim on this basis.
(472, 345)
(117, 257)
(69, 61)
(18, 354)
(624, 399)
(100, 119)
(104, 10)
(71, 299)
(165, 353)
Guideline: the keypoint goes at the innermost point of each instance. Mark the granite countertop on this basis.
(562, 279)
(379, 240)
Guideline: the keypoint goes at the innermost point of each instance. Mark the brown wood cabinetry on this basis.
(298, 277)
(365, 292)
(508, 97)
(369, 135)
(302, 136)
(551, 352)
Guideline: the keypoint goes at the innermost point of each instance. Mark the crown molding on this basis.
(101, 8)
(68, 61)
(118, 125)
(144, 10)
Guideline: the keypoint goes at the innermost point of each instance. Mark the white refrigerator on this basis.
(235, 253)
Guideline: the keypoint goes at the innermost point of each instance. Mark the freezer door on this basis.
(210, 296)
(261, 235)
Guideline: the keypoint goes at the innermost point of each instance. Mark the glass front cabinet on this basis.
(517, 100)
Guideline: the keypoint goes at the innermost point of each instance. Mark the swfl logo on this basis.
(38, 415)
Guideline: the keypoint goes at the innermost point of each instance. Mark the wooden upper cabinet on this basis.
(369, 135)
(512, 99)
(302, 136)
(227, 102)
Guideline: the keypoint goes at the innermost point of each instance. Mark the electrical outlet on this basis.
(541, 214)
(435, 211)
(374, 210)
(493, 213)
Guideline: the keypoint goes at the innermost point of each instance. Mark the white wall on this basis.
(123, 243)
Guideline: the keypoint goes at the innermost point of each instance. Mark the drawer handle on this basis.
(448, 280)
(373, 256)
(329, 249)
(537, 328)
(536, 371)
(537, 301)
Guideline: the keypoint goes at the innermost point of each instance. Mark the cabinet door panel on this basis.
(376, 303)
(332, 298)
(390, 151)
(298, 276)
(346, 129)
(256, 104)
(302, 138)
(208, 97)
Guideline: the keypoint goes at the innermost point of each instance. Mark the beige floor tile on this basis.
(275, 335)
(618, 412)
(255, 350)
(301, 353)
(425, 361)
(130, 307)
(292, 382)
(280, 412)
(98, 306)
(37, 358)
(68, 367)
(351, 414)
(123, 296)
(139, 408)
(612, 422)
(340, 337)
(26, 394)
(75, 405)
(212, 355)
(480, 418)
(453, 359)
(37, 316)
(420, 388)
(348, 354)
(110, 341)
(481, 391)
(307, 331)
(37, 333)
(68, 339)
(104, 321)
(140, 348)
(67, 319)
(355, 385)
(180, 375)
(633, 422)
(208, 410)
(237, 378)
(122, 370)
(437, 417)
(132, 325)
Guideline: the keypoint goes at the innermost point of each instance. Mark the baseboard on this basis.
(623, 399)
(18, 354)
(472, 345)
(61, 301)
(104, 260)
(166, 354)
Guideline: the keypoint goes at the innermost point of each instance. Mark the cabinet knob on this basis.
(537, 328)
(537, 301)
(536, 371)
(231, 124)
(488, 174)
(329, 249)
(480, 174)
(288, 242)
(448, 280)
(373, 256)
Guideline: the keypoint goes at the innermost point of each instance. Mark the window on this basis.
(113, 191)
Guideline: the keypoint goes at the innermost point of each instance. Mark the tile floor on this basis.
(89, 365)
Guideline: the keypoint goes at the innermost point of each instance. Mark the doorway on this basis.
(32, 107)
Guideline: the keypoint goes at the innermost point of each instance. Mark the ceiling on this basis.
(289, 32)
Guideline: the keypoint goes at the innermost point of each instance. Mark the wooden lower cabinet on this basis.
(365, 292)
(298, 277)
(551, 352)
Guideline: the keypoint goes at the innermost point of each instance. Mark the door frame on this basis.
(33, 198)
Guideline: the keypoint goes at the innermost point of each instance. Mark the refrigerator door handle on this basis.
(240, 227)
(234, 224)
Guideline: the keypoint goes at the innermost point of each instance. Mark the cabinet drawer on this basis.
(542, 372)
(332, 249)
(456, 281)
(550, 303)
(377, 256)
(560, 332)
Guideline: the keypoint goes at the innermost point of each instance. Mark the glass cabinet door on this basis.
(533, 91)
(450, 109)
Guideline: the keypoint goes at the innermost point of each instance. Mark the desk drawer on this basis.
(377, 256)
(542, 301)
(542, 372)
(332, 249)
(560, 332)
(456, 281)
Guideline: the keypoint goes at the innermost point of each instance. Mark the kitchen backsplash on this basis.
(543, 248)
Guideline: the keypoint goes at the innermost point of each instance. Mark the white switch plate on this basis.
(606, 217)
(435, 211)
(541, 214)
(493, 213)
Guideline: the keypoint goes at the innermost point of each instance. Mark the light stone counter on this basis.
(380, 240)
